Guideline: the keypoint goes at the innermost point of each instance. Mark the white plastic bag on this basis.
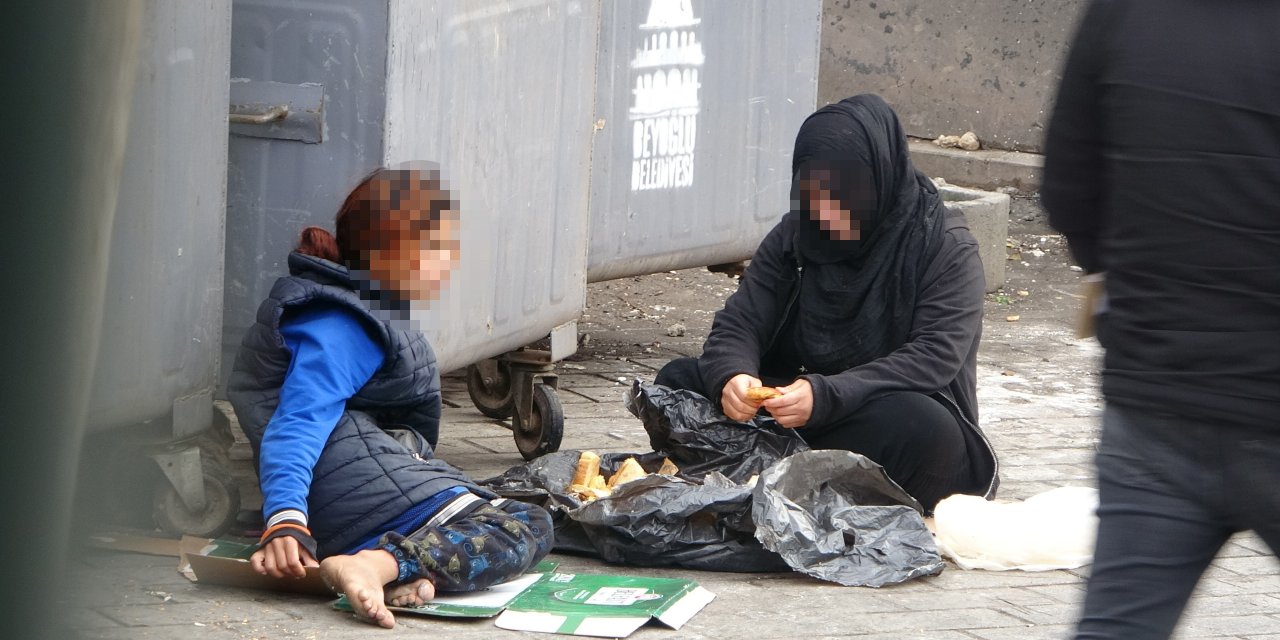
(1052, 530)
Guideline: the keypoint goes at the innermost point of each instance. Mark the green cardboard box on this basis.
(486, 603)
(580, 604)
(603, 605)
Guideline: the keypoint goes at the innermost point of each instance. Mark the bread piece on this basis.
(597, 482)
(588, 468)
(587, 494)
(668, 468)
(756, 395)
(628, 471)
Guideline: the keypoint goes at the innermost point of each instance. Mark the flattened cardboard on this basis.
(573, 604)
(136, 543)
(224, 562)
(582, 604)
(485, 603)
(602, 605)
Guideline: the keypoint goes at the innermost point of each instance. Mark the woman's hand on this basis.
(793, 408)
(733, 398)
(282, 557)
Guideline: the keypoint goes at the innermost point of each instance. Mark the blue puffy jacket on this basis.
(365, 477)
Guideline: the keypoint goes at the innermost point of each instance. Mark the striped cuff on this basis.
(298, 532)
(295, 516)
(464, 503)
(452, 510)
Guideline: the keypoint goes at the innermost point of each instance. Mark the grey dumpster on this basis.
(697, 105)
(499, 93)
(157, 363)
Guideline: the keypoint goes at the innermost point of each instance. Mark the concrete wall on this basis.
(988, 216)
(987, 66)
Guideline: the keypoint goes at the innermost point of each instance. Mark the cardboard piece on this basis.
(542, 601)
(574, 604)
(225, 562)
(485, 603)
(136, 543)
(602, 605)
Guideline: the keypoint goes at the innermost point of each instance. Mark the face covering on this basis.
(851, 169)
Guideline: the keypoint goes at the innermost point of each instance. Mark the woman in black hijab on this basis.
(863, 306)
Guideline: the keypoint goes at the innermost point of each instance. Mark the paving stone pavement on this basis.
(1040, 404)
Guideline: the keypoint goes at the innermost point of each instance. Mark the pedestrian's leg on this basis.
(914, 437)
(490, 545)
(1253, 475)
(1156, 534)
(681, 373)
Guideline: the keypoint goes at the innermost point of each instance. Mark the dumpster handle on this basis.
(272, 114)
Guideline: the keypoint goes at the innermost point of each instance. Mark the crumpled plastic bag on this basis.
(708, 517)
(1050, 530)
(700, 519)
(837, 516)
(663, 521)
(695, 523)
(700, 439)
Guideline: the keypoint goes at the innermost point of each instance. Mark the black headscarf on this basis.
(861, 308)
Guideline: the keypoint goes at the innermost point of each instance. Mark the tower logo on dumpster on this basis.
(664, 108)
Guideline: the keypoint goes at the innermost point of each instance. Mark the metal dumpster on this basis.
(498, 93)
(157, 363)
(697, 105)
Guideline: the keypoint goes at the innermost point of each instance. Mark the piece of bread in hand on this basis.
(756, 395)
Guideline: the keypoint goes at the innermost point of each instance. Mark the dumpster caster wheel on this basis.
(489, 385)
(222, 505)
(542, 432)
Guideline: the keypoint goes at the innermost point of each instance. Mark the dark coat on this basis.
(364, 478)
(939, 357)
(1162, 168)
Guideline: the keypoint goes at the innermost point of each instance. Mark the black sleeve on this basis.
(741, 331)
(945, 328)
(1073, 186)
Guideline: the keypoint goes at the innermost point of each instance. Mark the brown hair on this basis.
(318, 242)
(386, 206)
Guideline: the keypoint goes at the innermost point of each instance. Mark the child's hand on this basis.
(282, 557)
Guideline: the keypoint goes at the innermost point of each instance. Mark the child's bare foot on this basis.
(361, 577)
(411, 594)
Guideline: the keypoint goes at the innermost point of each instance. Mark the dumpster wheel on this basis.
(543, 430)
(490, 386)
(222, 496)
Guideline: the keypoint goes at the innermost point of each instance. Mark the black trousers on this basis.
(917, 439)
(1172, 490)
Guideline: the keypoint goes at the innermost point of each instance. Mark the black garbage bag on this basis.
(544, 481)
(708, 516)
(699, 519)
(700, 439)
(664, 521)
(655, 521)
(837, 515)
